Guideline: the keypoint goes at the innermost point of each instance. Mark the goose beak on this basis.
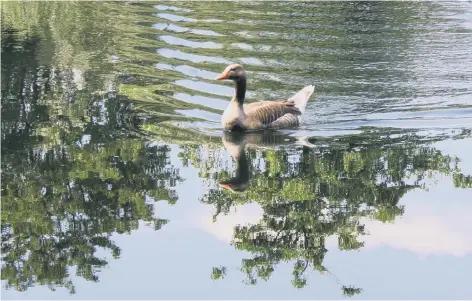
(223, 75)
(227, 186)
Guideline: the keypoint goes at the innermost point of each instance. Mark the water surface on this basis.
(114, 165)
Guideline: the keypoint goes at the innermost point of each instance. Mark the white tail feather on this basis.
(301, 97)
(303, 141)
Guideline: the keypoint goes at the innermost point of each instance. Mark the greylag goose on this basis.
(268, 114)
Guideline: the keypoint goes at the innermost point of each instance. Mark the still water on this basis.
(112, 151)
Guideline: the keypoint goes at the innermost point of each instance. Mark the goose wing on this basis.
(254, 105)
(267, 112)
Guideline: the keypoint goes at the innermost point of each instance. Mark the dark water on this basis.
(112, 151)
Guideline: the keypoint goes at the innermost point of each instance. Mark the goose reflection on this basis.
(236, 143)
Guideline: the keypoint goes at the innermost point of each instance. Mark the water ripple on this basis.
(183, 42)
(188, 70)
(180, 29)
(175, 18)
(172, 8)
(369, 65)
(171, 53)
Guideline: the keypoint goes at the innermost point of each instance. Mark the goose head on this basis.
(234, 72)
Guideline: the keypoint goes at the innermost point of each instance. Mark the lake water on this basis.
(113, 154)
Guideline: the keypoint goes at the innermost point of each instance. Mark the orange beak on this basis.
(227, 186)
(223, 75)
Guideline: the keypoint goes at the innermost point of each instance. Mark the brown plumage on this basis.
(263, 114)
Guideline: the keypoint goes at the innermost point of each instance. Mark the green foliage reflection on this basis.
(75, 169)
(71, 175)
(312, 193)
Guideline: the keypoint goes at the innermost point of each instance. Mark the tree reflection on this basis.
(310, 194)
(70, 178)
(74, 172)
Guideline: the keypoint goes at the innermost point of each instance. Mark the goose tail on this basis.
(303, 141)
(301, 97)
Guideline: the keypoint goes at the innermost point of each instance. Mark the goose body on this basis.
(273, 114)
